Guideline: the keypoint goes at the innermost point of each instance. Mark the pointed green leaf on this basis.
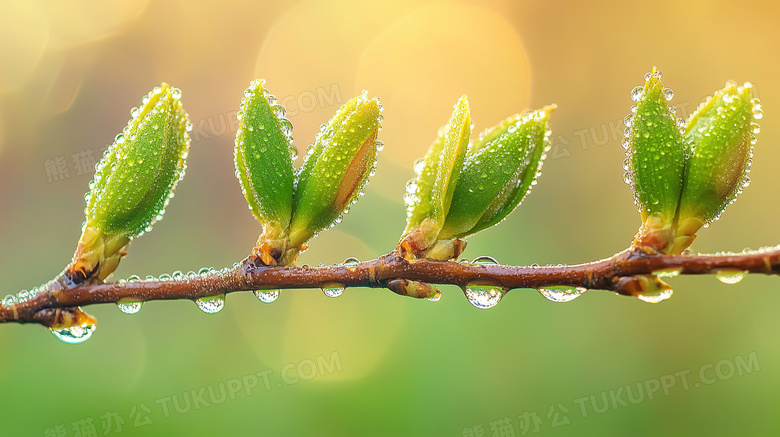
(336, 168)
(720, 134)
(430, 194)
(498, 172)
(263, 156)
(655, 150)
(135, 179)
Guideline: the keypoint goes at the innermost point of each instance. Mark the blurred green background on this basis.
(370, 362)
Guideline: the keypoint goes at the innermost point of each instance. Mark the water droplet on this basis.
(419, 166)
(437, 296)
(129, 307)
(562, 293)
(484, 296)
(637, 93)
(286, 127)
(667, 93)
(23, 296)
(266, 296)
(730, 276)
(667, 273)
(164, 277)
(380, 146)
(484, 261)
(351, 262)
(757, 112)
(655, 298)
(211, 304)
(74, 334)
(333, 290)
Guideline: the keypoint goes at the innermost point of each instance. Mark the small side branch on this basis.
(609, 274)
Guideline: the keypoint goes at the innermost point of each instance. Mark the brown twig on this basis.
(615, 274)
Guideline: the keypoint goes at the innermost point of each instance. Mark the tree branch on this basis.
(617, 273)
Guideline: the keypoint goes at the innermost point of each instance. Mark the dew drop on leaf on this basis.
(637, 93)
(419, 166)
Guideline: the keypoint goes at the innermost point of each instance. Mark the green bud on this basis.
(498, 172)
(428, 197)
(263, 159)
(721, 136)
(134, 181)
(655, 151)
(336, 168)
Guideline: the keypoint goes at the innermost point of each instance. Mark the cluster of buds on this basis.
(464, 186)
(293, 206)
(685, 173)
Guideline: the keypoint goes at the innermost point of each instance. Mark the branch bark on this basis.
(616, 273)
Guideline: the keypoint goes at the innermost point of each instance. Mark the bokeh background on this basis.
(370, 362)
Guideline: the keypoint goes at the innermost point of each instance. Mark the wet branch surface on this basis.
(611, 274)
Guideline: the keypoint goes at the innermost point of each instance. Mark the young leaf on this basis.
(428, 197)
(721, 136)
(656, 152)
(263, 159)
(336, 168)
(499, 170)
